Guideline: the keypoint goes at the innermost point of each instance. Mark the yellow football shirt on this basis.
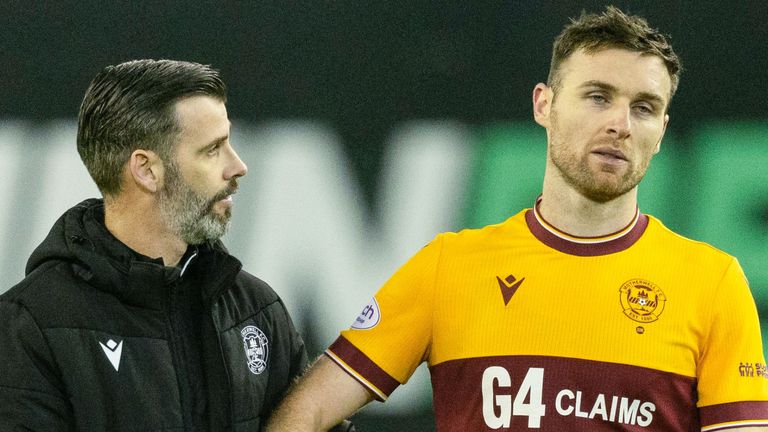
(524, 327)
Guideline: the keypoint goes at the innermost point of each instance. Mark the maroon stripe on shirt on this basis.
(361, 364)
(734, 411)
(567, 394)
(586, 249)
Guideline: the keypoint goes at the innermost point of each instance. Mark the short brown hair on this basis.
(130, 106)
(612, 29)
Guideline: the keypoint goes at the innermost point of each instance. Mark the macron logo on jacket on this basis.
(114, 351)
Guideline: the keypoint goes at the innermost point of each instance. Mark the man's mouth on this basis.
(226, 194)
(224, 197)
(610, 153)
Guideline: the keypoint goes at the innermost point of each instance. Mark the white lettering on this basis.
(599, 408)
(496, 375)
(498, 409)
(579, 412)
(646, 414)
(559, 402)
(531, 389)
(628, 413)
(614, 404)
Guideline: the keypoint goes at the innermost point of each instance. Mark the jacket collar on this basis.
(81, 237)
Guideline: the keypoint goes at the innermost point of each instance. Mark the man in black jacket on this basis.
(132, 315)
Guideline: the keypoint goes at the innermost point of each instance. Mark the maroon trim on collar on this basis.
(593, 248)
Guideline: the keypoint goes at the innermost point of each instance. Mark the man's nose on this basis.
(619, 124)
(236, 168)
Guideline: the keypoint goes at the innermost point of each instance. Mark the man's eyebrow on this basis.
(647, 96)
(220, 140)
(599, 84)
(651, 97)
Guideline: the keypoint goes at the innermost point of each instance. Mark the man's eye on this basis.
(598, 99)
(644, 109)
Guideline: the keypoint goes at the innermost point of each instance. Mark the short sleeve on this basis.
(732, 375)
(393, 333)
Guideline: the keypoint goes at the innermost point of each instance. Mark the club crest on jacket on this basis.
(255, 344)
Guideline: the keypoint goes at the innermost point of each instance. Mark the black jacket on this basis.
(89, 339)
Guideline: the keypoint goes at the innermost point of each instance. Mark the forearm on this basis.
(298, 413)
(321, 399)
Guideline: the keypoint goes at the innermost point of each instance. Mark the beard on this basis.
(601, 185)
(190, 215)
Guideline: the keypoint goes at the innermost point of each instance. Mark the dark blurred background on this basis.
(363, 67)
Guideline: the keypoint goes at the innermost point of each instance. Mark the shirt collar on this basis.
(546, 233)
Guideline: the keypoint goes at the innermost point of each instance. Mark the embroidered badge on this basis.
(369, 317)
(255, 343)
(642, 300)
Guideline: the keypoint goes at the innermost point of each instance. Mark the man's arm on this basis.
(321, 399)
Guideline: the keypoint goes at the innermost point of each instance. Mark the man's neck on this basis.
(577, 215)
(139, 226)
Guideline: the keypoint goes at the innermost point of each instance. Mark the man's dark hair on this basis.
(612, 29)
(130, 106)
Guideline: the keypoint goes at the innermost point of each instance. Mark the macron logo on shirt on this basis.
(114, 351)
(508, 287)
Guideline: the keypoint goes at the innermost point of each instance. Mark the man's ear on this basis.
(542, 103)
(663, 131)
(146, 170)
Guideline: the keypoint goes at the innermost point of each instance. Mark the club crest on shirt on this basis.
(642, 300)
(255, 343)
(369, 317)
